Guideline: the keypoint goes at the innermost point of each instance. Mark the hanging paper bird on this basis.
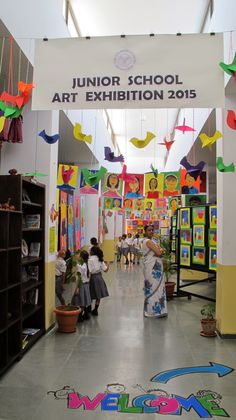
(77, 132)
(93, 178)
(126, 177)
(155, 171)
(168, 143)
(229, 68)
(18, 100)
(194, 171)
(209, 141)
(231, 119)
(49, 139)
(12, 112)
(184, 127)
(222, 167)
(109, 155)
(34, 174)
(25, 87)
(142, 143)
(2, 122)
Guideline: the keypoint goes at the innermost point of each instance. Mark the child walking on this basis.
(118, 249)
(98, 288)
(60, 275)
(82, 296)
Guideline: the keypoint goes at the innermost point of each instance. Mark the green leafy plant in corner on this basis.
(169, 267)
(208, 311)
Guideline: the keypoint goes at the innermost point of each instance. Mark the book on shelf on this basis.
(32, 221)
(34, 249)
(30, 331)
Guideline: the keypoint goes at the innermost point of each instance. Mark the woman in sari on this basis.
(155, 304)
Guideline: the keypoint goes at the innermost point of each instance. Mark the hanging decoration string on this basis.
(19, 69)
(36, 143)
(155, 140)
(1, 57)
(28, 62)
(193, 134)
(230, 56)
(10, 69)
(126, 138)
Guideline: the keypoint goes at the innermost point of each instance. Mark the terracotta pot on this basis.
(170, 287)
(208, 328)
(67, 317)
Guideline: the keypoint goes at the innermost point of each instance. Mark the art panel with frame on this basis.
(198, 235)
(212, 258)
(184, 218)
(212, 237)
(186, 236)
(199, 255)
(199, 215)
(213, 216)
(185, 255)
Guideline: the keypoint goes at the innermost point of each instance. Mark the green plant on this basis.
(169, 267)
(71, 263)
(208, 311)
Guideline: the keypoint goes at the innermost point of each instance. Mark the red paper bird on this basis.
(18, 100)
(126, 177)
(25, 88)
(184, 127)
(67, 174)
(231, 119)
(168, 143)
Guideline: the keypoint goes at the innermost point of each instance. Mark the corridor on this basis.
(120, 352)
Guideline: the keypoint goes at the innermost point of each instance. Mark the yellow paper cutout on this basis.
(142, 143)
(209, 141)
(78, 135)
(2, 122)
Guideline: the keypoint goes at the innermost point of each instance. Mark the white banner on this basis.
(161, 71)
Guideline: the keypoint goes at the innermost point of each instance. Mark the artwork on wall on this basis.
(171, 184)
(67, 177)
(199, 255)
(198, 215)
(213, 216)
(185, 255)
(70, 204)
(86, 188)
(186, 236)
(112, 186)
(198, 235)
(63, 220)
(138, 204)
(134, 189)
(149, 205)
(77, 222)
(128, 204)
(212, 258)
(107, 202)
(190, 183)
(174, 203)
(153, 185)
(212, 237)
(184, 218)
(195, 199)
(161, 203)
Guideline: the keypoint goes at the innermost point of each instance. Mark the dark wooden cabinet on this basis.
(22, 301)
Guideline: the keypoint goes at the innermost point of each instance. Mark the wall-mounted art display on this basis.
(128, 204)
(185, 255)
(189, 184)
(67, 177)
(199, 215)
(134, 189)
(171, 184)
(153, 185)
(149, 205)
(195, 199)
(184, 218)
(199, 235)
(199, 255)
(212, 237)
(174, 203)
(138, 204)
(86, 188)
(213, 216)
(212, 258)
(112, 186)
(186, 236)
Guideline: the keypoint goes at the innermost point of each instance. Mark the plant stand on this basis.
(67, 317)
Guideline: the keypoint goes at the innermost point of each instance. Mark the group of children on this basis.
(130, 248)
(90, 285)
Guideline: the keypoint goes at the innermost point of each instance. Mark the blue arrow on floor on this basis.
(165, 376)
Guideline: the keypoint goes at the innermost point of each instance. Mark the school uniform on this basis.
(98, 288)
(83, 298)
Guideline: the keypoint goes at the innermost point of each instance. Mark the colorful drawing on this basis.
(161, 203)
(128, 204)
(149, 205)
(86, 188)
(173, 204)
(71, 222)
(199, 255)
(213, 216)
(212, 237)
(184, 218)
(67, 177)
(186, 236)
(134, 189)
(77, 222)
(190, 182)
(107, 203)
(199, 235)
(82, 221)
(199, 215)
(185, 255)
(63, 220)
(212, 258)
(138, 204)
(153, 185)
(116, 203)
(195, 200)
(171, 184)
(112, 186)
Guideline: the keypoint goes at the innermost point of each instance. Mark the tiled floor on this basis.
(121, 347)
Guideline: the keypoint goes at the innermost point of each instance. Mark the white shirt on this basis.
(118, 244)
(130, 241)
(137, 243)
(96, 266)
(82, 269)
(60, 266)
(124, 243)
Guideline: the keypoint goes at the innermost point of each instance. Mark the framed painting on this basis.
(199, 215)
(184, 218)
(212, 237)
(199, 255)
(186, 236)
(213, 216)
(185, 255)
(212, 258)
(199, 235)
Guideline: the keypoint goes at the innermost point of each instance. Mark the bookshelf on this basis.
(22, 302)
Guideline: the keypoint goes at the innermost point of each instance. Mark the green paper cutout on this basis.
(34, 174)
(222, 167)
(10, 112)
(229, 68)
(93, 179)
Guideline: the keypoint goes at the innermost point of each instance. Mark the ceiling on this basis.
(135, 17)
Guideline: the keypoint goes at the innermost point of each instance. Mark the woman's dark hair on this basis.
(150, 182)
(94, 241)
(85, 256)
(147, 226)
(108, 181)
(137, 179)
(98, 252)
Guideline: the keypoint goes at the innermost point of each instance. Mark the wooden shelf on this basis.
(30, 260)
(31, 229)
(29, 310)
(31, 284)
(32, 340)
(28, 203)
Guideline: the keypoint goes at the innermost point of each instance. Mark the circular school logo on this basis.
(124, 60)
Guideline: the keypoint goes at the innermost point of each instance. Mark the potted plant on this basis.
(169, 267)
(67, 315)
(208, 320)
